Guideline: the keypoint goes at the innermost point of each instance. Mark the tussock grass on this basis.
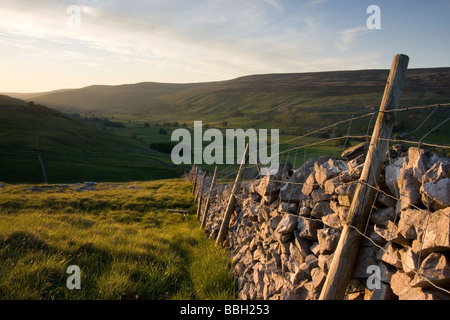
(120, 235)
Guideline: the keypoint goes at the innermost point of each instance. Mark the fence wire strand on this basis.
(225, 173)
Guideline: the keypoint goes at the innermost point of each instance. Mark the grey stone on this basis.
(318, 278)
(328, 240)
(436, 236)
(302, 173)
(287, 224)
(409, 188)
(392, 173)
(391, 234)
(385, 201)
(309, 185)
(322, 208)
(355, 151)
(291, 192)
(365, 258)
(308, 228)
(409, 260)
(302, 244)
(436, 269)
(320, 195)
(345, 201)
(331, 185)
(324, 262)
(382, 216)
(436, 194)
(418, 160)
(328, 170)
(412, 223)
(383, 293)
(400, 284)
(440, 170)
(390, 255)
(304, 212)
(332, 221)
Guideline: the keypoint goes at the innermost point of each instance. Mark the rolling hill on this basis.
(273, 98)
(70, 150)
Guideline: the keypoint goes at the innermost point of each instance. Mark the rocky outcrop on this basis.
(285, 228)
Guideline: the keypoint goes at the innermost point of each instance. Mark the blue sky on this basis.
(205, 40)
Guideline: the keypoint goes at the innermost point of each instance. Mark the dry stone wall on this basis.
(285, 228)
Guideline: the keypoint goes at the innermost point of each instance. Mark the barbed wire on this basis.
(223, 175)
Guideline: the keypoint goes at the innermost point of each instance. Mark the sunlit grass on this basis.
(120, 235)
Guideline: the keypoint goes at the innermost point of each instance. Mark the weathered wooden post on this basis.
(232, 201)
(205, 213)
(344, 257)
(200, 195)
(194, 180)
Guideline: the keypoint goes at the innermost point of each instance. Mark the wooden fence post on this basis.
(200, 196)
(346, 252)
(232, 201)
(194, 180)
(213, 182)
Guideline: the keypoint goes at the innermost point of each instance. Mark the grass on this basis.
(120, 235)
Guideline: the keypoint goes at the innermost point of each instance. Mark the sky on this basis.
(43, 48)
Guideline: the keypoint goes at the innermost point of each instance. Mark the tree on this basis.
(147, 125)
(225, 123)
(162, 131)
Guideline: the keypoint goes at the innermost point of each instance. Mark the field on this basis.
(120, 235)
(71, 150)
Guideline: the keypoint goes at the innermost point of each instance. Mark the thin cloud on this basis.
(348, 36)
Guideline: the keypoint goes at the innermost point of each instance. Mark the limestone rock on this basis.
(382, 216)
(355, 151)
(409, 188)
(390, 255)
(302, 173)
(390, 233)
(332, 221)
(435, 268)
(309, 185)
(400, 284)
(412, 223)
(308, 228)
(287, 224)
(436, 237)
(392, 173)
(328, 240)
(418, 160)
(365, 258)
(384, 293)
(331, 184)
(322, 208)
(291, 192)
(318, 278)
(436, 194)
(328, 170)
(409, 260)
(385, 201)
(440, 170)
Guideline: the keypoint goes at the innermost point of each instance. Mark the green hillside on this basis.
(70, 150)
(273, 99)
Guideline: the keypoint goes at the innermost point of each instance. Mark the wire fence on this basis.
(427, 134)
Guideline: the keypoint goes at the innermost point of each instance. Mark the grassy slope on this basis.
(273, 99)
(120, 236)
(71, 150)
